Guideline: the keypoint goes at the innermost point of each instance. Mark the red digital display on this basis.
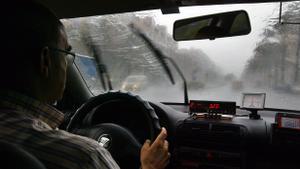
(214, 106)
(197, 106)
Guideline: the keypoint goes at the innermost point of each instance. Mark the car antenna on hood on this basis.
(162, 59)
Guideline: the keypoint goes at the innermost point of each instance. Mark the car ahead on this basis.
(239, 117)
(134, 83)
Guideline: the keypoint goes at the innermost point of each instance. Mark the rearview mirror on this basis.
(213, 26)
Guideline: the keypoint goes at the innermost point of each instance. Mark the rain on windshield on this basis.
(265, 61)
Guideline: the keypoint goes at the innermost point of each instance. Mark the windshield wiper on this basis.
(162, 59)
(159, 55)
(101, 67)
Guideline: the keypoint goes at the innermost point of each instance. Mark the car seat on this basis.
(15, 157)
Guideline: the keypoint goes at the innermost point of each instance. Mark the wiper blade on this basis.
(159, 55)
(104, 76)
(100, 67)
(162, 58)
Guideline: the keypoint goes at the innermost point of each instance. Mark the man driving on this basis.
(33, 68)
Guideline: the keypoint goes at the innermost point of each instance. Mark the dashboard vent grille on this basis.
(208, 145)
(210, 133)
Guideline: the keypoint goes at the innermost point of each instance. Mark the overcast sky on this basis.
(230, 54)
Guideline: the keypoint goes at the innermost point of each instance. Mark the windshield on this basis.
(265, 61)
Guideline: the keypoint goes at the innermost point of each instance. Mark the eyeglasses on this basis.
(70, 55)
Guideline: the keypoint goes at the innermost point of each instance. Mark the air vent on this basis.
(225, 134)
(210, 133)
(225, 128)
(201, 144)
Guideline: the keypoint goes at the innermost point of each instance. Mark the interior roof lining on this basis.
(76, 8)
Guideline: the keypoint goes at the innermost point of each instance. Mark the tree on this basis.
(276, 57)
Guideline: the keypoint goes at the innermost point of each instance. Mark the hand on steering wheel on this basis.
(156, 155)
(122, 144)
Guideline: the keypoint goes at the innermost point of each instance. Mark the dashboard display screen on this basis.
(253, 100)
(198, 106)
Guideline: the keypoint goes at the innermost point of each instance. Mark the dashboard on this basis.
(213, 135)
(229, 142)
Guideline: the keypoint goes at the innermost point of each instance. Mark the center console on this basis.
(214, 137)
(218, 143)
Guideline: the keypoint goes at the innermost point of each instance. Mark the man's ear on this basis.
(45, 62)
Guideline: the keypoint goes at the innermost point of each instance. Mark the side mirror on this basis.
(228, 24)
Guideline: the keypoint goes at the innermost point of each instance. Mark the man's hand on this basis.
(156, 155)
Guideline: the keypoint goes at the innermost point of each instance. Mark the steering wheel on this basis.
(117, 139)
